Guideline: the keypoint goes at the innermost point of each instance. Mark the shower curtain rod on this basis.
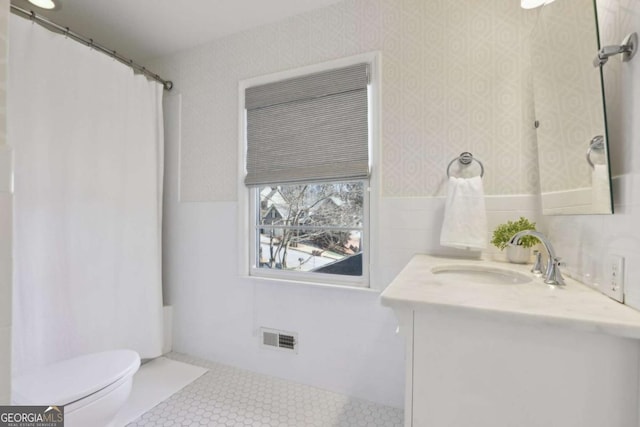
(168, 84)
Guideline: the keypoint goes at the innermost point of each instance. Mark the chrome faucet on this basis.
(552, 276)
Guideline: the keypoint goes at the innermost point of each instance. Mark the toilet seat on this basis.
(71, 407)
(70, 381)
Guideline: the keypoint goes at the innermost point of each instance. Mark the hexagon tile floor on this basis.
(231, 397)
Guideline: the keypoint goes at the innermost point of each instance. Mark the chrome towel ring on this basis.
(465, 158)
(597, 143)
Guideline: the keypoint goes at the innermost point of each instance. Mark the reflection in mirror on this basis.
(569, 106)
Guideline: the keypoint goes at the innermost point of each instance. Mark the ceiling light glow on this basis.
(531, 4)
(44, 4)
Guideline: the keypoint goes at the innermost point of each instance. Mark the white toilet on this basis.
(92, 388)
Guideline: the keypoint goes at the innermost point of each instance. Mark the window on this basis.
(311, 228)
(307, 175)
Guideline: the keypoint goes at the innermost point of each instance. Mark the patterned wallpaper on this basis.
(568, 94)
(456, 77)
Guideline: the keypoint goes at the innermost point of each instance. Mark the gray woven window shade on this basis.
(309, 128)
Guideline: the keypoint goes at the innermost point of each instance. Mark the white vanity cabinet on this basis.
(514, 355)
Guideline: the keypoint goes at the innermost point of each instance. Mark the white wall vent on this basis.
(279, 340)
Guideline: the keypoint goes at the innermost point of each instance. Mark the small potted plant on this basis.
(504, 232)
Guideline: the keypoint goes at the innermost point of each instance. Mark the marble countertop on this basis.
(575, 305)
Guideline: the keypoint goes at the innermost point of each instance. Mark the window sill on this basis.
(298, 283)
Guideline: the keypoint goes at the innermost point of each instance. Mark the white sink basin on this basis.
(479, 274)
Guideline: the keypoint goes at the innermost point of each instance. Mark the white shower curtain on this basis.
(88, 141)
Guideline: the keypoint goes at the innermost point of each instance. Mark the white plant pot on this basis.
(518, 254)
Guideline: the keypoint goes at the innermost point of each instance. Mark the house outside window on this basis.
(307, 174)
(315, 228)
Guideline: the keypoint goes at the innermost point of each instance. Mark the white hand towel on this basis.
(465, 216)
(600, 189)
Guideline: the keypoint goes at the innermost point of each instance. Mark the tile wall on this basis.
(6, 199)
(412, 225)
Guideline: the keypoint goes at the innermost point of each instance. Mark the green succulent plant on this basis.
(504, 232)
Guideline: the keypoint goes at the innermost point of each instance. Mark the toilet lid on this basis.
(73, 379)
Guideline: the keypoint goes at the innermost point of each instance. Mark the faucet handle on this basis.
(537, 265)
(559, 263)
(554, 275)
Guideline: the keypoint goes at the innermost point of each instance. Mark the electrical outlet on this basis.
(614, 282)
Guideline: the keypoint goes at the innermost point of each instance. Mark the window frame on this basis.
(305, 276)
(247, 197)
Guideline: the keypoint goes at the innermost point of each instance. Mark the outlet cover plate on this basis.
(614, 278)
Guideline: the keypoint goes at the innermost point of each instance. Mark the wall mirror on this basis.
(570, 113)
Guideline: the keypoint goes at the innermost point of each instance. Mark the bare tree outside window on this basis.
(312, 227)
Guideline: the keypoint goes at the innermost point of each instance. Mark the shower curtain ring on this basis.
(66, 32)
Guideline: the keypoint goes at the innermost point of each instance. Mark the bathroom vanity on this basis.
(489, 344)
